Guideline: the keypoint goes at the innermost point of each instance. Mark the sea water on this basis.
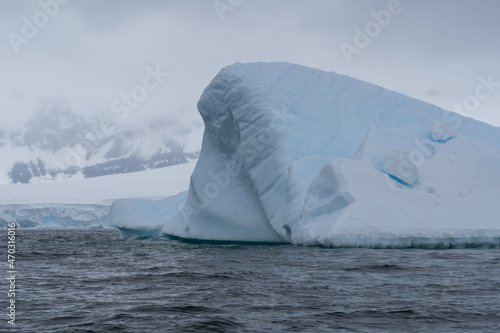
(87, 280)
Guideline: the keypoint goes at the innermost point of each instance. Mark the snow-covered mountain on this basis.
(57, 144)
(86, 202)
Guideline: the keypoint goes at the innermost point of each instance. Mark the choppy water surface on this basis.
(81, 280)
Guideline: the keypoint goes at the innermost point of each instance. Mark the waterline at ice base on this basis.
(292, 154)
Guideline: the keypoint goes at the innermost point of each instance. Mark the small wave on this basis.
(417, 243)
(384, 268)
(150, 308)
(138, 237)
(199, 276)
(212, 325)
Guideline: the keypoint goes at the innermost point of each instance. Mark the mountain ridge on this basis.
(57, 144)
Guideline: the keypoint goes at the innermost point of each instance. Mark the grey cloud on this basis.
(93, 51)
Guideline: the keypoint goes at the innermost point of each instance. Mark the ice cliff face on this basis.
(289, 152)
(55, 216)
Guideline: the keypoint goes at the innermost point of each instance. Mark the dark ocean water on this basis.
(81, 280)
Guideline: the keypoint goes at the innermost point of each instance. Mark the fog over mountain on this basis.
(139, 63)
(57, 144)
(92, 51)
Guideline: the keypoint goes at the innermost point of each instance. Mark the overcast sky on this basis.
(90, 52)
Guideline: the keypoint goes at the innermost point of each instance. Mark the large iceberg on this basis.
(294, 154)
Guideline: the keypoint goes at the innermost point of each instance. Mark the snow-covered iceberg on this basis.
(294, 154)
(143, 216)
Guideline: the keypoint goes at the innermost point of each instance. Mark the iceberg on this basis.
(143, 216)
(292, 154)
